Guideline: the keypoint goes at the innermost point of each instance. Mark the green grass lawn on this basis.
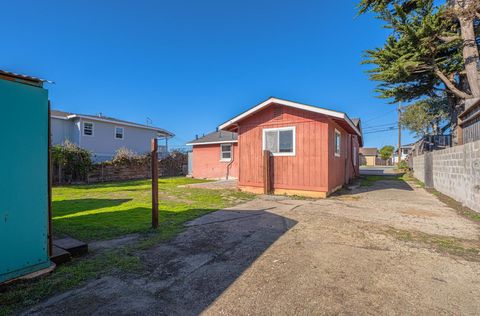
(104, 211)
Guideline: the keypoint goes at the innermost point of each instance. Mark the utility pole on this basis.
(399, 154)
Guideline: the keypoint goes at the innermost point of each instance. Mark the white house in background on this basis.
(406, 149)
(103, 136)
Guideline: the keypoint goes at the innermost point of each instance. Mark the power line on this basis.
(381, 125)
(382, 130)
(379, 116)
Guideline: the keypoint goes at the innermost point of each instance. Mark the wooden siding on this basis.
(313, 168)
(342, 169)
(471, 131)
(307, 170)
(207, 164)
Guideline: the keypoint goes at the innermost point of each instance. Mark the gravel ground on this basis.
(390, 248)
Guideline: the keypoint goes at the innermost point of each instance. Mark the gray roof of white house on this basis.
(217, 137)
(68, 115)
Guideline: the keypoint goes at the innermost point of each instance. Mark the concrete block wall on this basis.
(455, 172)
(419, 167)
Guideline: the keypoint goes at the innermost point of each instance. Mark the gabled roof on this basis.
(334, 114)
(219, 137)
(67, 116)
(368, 151)
(358, 123)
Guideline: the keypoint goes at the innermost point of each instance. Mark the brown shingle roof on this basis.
(368, 151)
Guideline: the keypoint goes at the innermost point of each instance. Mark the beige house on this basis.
(368, 156)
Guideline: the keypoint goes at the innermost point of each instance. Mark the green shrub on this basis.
(403, 165)
(73, 162)
(125, 156)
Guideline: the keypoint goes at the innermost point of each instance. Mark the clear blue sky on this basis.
(191, 65)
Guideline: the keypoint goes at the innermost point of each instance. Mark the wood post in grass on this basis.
(267, 180)
(154, 164)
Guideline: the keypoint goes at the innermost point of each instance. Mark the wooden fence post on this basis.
(154, 164)
(267, 180)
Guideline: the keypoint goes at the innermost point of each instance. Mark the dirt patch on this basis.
(457, 206)
(419, 213)
(466, 249)
(215, 185)
(347, 197)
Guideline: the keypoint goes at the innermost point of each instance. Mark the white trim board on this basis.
(115, 132)
(59, 117)
(278, 129)
(296, 105)
(221, 153)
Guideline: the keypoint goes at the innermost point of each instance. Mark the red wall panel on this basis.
(207, 164)
(314, 166)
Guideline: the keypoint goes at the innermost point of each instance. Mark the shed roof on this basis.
(101, 118)
(339, 117)
(218, 137)
(368, 151)
(29, 79)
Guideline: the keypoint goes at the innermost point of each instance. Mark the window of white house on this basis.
(119, 131)
(279, 141)
(338, 143)
(88, 128)
(225, 152)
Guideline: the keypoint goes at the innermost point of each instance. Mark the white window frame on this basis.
(289, 128)
(337, 132)
(83, 128)
(115, 133)
(221, 152)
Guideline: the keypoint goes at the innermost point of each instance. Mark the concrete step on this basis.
(73, 246)
(60, 255)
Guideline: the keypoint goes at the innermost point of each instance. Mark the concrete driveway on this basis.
(390, 248)
(378, 170)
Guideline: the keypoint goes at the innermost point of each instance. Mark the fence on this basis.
(453, 171)
(107, 172)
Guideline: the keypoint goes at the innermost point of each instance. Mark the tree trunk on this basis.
(470, 49)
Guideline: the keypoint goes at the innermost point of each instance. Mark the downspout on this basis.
(351, 150)
(230, 163)
(233, 155)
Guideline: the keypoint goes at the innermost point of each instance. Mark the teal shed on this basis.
(24, 174)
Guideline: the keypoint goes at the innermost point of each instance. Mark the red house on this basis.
(215, 156)
(314, 150)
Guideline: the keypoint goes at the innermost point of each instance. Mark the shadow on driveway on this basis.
(183, 276)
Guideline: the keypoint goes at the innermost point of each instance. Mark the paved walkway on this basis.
(378, 170)
(385, 249)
